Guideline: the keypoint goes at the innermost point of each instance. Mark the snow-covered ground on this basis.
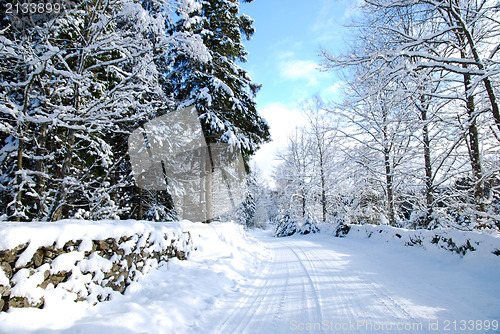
(317, 283)
(312, 283)
(166, 300)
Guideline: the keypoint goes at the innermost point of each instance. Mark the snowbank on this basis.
(460, 242)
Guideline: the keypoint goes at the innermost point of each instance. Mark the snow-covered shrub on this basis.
(342, 230)
(158, 213)
(286, 226)
(450, 239)
(310, 225)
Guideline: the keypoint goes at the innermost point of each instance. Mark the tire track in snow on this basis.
(330, 290)
(390, 304)
(309, 281)
(283, 299)
(284, 290)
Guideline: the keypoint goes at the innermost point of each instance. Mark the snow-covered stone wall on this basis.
(82, 260)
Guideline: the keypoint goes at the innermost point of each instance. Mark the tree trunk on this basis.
(140, 208)
(40, 184)
(464, 37)
(389, 188)
(429, 187)
(55, 212)
(323, 186)
(389, 178)
(303, 186)
(203, 186)
(19, 177)
(22, 126)
(209, 195)
(474, 151)
(303, 200)
(206, 185)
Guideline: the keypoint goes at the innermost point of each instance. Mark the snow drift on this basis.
(459, 242)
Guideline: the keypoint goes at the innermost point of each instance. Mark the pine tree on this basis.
(248, 211)
(310, 225)
(222, 92)
(286, 226)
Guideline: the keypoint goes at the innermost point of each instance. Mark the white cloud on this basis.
(333, 92)
(282, 120)
(300, 69)
(306, 70)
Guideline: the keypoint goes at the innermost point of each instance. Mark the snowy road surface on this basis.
(324, 284)
(298, 284)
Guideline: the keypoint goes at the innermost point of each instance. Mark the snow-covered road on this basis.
(322, 284)
(301, 284)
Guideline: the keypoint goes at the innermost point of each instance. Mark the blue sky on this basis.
(283, 57)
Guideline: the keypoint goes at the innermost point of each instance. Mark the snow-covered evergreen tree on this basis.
(286, 225)
(222, 92)
(72, 89)
(310, 225)
(248, 209)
